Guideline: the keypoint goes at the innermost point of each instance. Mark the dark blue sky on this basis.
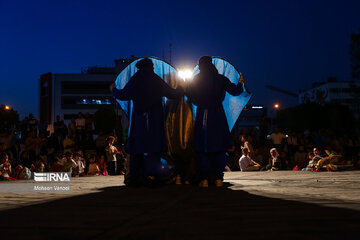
(289, 44)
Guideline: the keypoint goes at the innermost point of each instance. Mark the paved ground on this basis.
(286, 204)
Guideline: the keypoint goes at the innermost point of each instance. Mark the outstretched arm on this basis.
(233, 89)
(123, 94)
(170, 92)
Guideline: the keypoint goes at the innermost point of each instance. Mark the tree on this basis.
(8, 117)
(355, 55)
(312, 116)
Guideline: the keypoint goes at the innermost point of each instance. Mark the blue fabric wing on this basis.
(161, 68)
(233, 105)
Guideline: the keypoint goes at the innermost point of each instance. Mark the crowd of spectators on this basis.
(311, 151)
(70, 148)
(75, 148)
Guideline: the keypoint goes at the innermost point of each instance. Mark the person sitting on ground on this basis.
(332, 158)
(246, 163)
(38, 166)
(102, 165)
(93, 167)
(316, 158)
(25, 159)
(69, 143)
(285, 163)
(274, 161)
(5, 167)
(69, 163)
(22, 173)
(247, 144)
(310, 157)
(80, 170)
(300, 157)
(57, 166)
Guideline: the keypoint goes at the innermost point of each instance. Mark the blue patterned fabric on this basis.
(161, 68)
(233, 105)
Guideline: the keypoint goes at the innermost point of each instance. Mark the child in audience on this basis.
(5, 167)
(80, 170)
(102, 165)
(22, 173)
(111, 152)
(93, 167)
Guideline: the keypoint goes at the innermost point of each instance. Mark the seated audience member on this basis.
(102, 165)
(69, 143)
(80, 169)
(69, 163)
(44, 159)
(5, 167)
(22, 173)
(247, 144)
(285, 163)
(38, 166)
(57, 166)
(4, 148)
(332, 159)
(246, 163)
(93, 167)
(25, 159)
(316, 158)
(300, 157)
(275, 160)
(310, 158)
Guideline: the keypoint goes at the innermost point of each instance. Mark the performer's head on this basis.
(205, 62)
(206, 65)
(145, 64)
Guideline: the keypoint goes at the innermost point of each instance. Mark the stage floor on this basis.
(283, 204)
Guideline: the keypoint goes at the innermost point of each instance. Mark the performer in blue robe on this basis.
(147, 131)
(212, 136)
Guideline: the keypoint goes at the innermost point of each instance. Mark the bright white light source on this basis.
(185, 74)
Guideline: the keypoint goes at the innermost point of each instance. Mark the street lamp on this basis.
(7, 107)
(185, 74)
(276, 106)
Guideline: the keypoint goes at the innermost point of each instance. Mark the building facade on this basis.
(67, 94)
(333, 91)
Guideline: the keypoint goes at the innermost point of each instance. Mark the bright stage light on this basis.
(185, 74)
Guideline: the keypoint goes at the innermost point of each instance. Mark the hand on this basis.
(241, 79)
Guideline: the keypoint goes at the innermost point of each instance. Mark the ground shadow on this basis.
(177, 212)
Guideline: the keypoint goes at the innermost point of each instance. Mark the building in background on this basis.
(333, 91)
(67, 94)
(251, 117)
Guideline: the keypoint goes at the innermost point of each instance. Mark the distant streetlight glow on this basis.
(276, 106)
(185, 74)
(7, 107)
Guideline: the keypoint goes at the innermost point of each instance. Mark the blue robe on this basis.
(147, 130)
(207, 91)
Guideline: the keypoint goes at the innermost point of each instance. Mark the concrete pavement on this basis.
(257, 205)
